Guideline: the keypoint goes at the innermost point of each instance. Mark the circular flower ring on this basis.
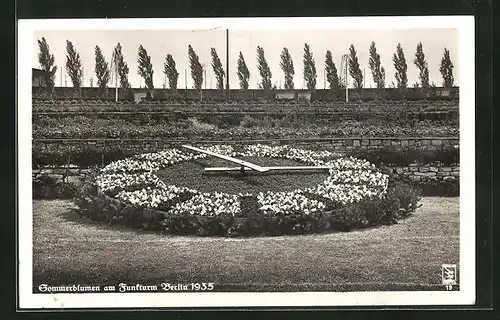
(134, 182)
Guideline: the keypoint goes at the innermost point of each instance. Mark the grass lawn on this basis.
(68, 249)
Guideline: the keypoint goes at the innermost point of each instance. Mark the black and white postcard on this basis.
(246, 162)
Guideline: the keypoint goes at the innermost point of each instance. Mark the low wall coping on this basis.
(258, 140)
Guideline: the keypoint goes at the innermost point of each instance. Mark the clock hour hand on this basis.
(242, 163)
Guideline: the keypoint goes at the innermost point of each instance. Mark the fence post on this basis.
(65, 179)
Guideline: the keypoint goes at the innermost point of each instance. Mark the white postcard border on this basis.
(465, 296)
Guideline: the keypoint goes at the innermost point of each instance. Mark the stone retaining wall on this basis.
(419, 173)
(339, 144)
(69, 174)
(236, 94)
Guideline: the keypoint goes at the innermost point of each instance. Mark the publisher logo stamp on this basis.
(449, 274)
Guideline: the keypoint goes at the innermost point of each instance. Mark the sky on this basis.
(159, 43)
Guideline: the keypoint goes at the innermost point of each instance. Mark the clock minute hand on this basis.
(228, 158)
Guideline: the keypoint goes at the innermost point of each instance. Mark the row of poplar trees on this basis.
(335, 82)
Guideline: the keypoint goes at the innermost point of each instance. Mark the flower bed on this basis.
(103, 106)
(85, 127)
(354, 194)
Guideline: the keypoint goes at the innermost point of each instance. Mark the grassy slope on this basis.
(407, 256)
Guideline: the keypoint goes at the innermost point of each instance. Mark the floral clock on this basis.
(137, 183)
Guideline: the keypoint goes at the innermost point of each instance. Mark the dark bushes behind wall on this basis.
(85, 155)
(399, 156)
(435, 187)
(439, 188)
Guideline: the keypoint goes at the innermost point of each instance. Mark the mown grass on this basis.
(68, 249)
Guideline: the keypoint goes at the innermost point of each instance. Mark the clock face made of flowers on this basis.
(177, 181)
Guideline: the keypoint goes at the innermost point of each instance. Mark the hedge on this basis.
(404, 156)
(400, 201)
(434, 187)
(82, 127)
(87, 155)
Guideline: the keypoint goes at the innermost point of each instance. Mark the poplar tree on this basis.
(243, 73)
(122, 67)
(73, 65)
(446, 69)
(331, 73)
(309, 68)
(145, 68)
(46, 61)
(101, 69)
(401, 68)
(171, 72)
(265, 72)
(196, 68)
(378, 72)
(354, 69)
(218, 70)
(286, 65)
(422, 66)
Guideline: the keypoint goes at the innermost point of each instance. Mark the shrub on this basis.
(66, 190)
(87, 190)
(439, 188)
(249, 122)
(349, 217)
(82, 155)
(46, 187)
(202, 126)
(129, 96)
(400, 201)
(407, 195)
(197, 225)
(223, 121)
(432, 187)
(254, 219)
